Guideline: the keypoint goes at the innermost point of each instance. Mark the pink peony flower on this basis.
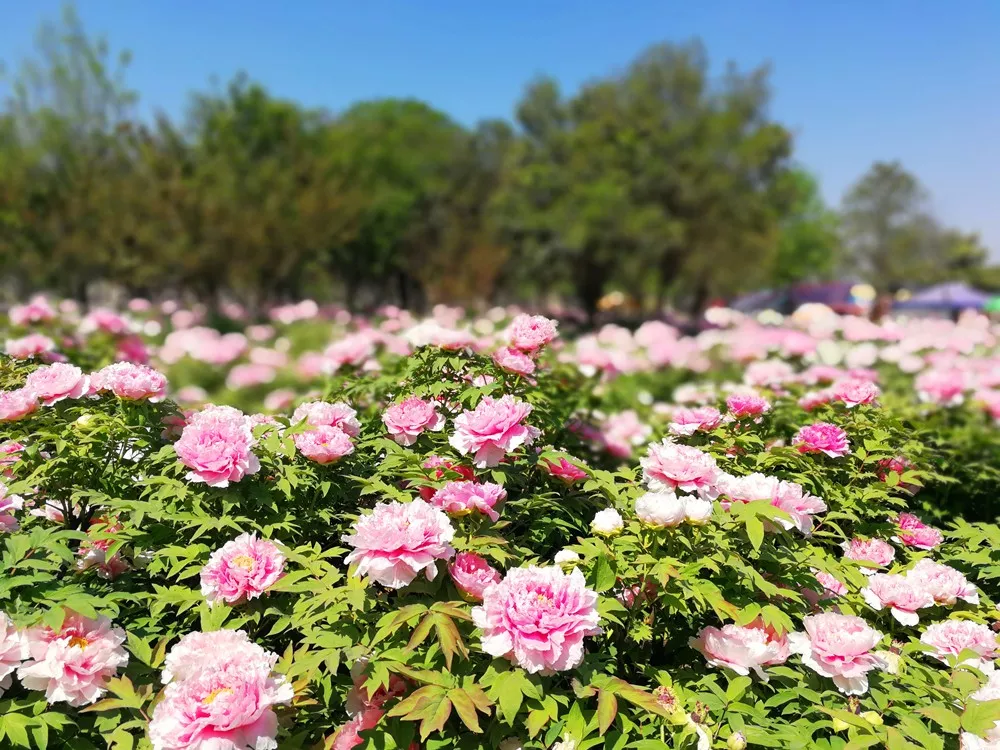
(514, 361)
(396, 541)
(197, 653)
(31, 345)
(102, 319)
(822, 437)
(55, 382)
(241, 569)
(74, 663)
(492, 430)
(279, 399)
(15, 405)
(855, 392)
(668, 467)
(874, 551)
(945, 584)
(461, 498)
(365, 710)
(900, 465)
(565, 471)
(769, 373)
(130, 382)
(831, 586)
(8, 504)
(686, 421)
(325, 414)
(745, 489)
(838, 646)
(324, 445)
(537, 618)
(901, 595)
(225, 708)
(800, 505)
(814, 399)
(915, 533)
(93, 552)
(11, 651)
(132, 349)
(747, 405)
(249, 375)
(38, 310)
(621, 431)
(407, 420)
(472, 575)
(942, 387)
(741, 649)
(530, 333)
(950, 638)
(440, 466)
(216, 445)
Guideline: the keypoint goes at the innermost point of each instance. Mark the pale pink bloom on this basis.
(822, 437)
(74, 663)
(493, 429)
(11, 651)
(832, 587)
(800, 505)
(472, 575)
(268, 357)
(741, 649)
(93, 551)
(838, 646)
(410, 418)
(248, 376)
(951, 637)
(279, 399)
(324, 445)
(102, 319)
(818, 374)
(262, 332)
(746, 489)
(226, 708)
(192, 394)
(661, 509)
(513, 360)
(689, 421)
(855, 392)
(241, 569)
(697, 510)
(38, 310)
(130, 382)
(461, 498)
(769, 373)
(310, 365)
(537, 618)
(669, 466)
(622, 431)
(874, 551)
(990, 401)
(901, 595)
(10, 453)
(326, 414)
(197, 653)
(942, 387)
(564, 470)
(747, 405)
(397, 541)
(365, 710)
(814, 399)
(31, 345)
(8, 504)
(132, 349)
(915, 533)
(945, 584)
(55, 382)
(531, 332)
(216, 445)
(354, 350)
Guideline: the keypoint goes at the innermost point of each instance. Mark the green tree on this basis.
(809, 245)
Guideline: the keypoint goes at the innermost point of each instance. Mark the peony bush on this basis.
(446, 534)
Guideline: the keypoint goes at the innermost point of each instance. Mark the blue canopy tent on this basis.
(952, 295)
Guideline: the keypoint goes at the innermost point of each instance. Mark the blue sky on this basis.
(856, 80)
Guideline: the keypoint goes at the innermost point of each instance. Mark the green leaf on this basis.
(607, 709)
(604, 575)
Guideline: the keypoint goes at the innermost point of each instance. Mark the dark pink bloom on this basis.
(747, 405)
(565, 471)
(822, 437)
(493, 429)
(472, 575)
(855, 392)
(410, 418)
(915, 533)
(461, 498)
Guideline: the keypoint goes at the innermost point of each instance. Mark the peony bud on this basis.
(566, 557)
(736, 741)
(660, 509)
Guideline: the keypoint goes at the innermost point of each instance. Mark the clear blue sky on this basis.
(857, 80)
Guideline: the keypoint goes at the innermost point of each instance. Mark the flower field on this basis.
(323, 530)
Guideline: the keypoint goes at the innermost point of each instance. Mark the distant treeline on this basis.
(663, 182)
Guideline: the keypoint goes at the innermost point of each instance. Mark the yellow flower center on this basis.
(76, 640)
(210, 698)
(542, 599)
(243, 561)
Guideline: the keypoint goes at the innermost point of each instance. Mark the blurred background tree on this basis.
(663, 181)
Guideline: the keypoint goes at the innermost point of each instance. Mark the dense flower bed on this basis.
(325, 531)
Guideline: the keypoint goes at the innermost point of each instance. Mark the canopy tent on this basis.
(953, 295)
